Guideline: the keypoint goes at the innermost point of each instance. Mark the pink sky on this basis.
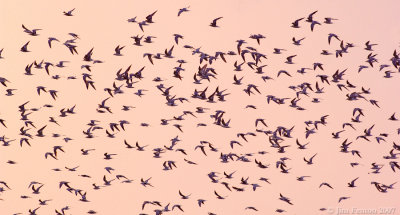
(103, 26)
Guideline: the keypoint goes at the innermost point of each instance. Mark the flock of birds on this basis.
(247, 61)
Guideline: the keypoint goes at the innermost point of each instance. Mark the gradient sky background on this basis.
(103, 25)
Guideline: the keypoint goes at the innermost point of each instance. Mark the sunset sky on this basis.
(103, 25)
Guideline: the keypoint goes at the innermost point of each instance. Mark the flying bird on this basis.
(69, 13)
(214, 22)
